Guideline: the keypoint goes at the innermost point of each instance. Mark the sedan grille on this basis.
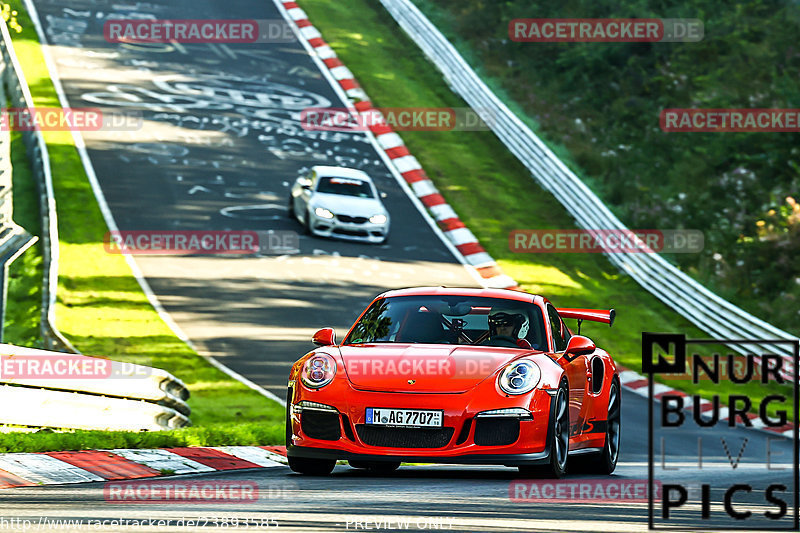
(352, 220)
(389, 437)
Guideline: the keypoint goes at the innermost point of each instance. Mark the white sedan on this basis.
(339, 202)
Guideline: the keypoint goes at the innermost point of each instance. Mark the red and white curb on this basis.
(637, 384)
(406, 164)
(56, 468)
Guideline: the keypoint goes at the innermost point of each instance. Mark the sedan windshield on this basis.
(451, 320)
(345, 187)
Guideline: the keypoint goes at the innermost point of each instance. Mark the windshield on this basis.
(345, 187)
(451, 320)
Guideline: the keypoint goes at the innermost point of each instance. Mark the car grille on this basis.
(351, 232)
(352, 220)
(320, 425)
(389, 437)
(496, 431)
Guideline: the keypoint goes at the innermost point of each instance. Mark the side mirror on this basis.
(324, 337)
(579, 345)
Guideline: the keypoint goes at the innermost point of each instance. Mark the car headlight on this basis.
(321, 212)
(378, 219)
(519, 377)
(318, 371)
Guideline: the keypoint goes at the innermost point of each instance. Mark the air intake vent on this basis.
(320, 424)
(498, 431)
(388, 437)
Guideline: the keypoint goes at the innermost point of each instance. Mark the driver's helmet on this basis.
(507, 317)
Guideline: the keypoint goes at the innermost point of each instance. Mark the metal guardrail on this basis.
(706, 310)
(121, 396)
(57, 409)
(18, 95)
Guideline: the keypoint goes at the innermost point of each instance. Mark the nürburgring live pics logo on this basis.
(729, 491)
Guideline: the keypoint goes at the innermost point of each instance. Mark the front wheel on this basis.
(307, 223)
(290, 207)
(311, 467)
(559, 438)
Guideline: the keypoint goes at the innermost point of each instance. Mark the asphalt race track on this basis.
(462, 499)
(218, 151)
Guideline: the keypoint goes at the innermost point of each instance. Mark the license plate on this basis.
(404, 417)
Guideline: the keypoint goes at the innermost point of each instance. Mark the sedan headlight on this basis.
(378, 219)
(318, 371)
(519, 377)
(321, 212)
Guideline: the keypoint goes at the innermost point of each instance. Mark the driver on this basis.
(509, 325)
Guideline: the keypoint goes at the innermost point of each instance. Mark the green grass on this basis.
(490, 189)
(209, 435)
(103, 311)
(24, 301)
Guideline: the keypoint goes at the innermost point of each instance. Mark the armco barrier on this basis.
(19, 96)
(125, 397)
(58, 409)
(710, 313)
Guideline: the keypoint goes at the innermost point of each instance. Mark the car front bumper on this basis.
(333, 227)
(464, 438)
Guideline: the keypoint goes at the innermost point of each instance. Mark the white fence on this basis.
(710, 313)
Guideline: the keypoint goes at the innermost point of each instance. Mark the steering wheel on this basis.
(501, 341)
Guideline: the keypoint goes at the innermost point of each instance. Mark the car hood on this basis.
(340, 204)
(423, 367)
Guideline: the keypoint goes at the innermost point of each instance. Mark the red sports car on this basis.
(451, 375)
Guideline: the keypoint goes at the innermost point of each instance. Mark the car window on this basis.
(345, 187)
(560, 333)
(438, 320)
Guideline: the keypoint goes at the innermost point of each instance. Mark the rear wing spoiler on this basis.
(593, 315)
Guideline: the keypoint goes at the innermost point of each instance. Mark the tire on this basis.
(290, 208)
(559, 439)
(605, 462)
(307, 223)
(311, 467)
(379, 467)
